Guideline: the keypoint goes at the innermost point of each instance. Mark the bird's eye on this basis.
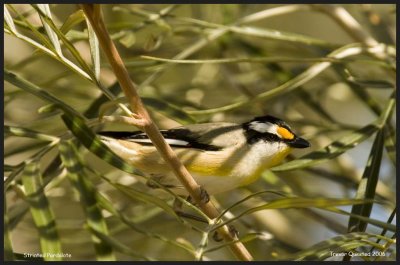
(285, 133)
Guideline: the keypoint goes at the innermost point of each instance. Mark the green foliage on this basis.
(65, 192)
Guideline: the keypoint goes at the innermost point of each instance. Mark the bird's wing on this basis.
(205, 136)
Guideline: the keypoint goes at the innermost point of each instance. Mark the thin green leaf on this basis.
(247, 238)
(38, 155)
(34, 31)
(94, 50)
(390, 142)
(281, 35)
(292, 84)
(52, 171)
(49, 108)
(50, 33)
(151, 17)
(296, 202)
(40, 209)
(72, 20)
(249, 197)
(23, 132)
(37, 91)
(107, 205)
(339, 244)
(371, 83)
(262, 33)
(307, 98)
(273, 180)
(155, 200)
(91, 75)
(367, 186)
(242, 60)
(23, 148)
(363, 95)
(117, 245)
(389, 221)
(80, 180)
(217, 33)
(47, 50)
(368, 220)
(147, 198)
(76, 35)
(68, 45)
(8, 249)
(363, 83)
(94, 108)
(9, 20)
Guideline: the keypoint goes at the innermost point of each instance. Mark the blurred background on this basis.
(234, 54)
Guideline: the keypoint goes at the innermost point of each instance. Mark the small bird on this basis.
(220, 156)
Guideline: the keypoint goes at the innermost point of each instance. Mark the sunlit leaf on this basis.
(80, 180)
(94, 50)
(8, 19)
(41, 212)
(50, 33)
(69, 46)
(72, 20)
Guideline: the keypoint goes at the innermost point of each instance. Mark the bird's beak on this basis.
(299, 143)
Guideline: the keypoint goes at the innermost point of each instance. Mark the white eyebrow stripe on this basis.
(263, 127)
(169, 141)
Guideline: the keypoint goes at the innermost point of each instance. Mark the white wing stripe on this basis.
(169, 141)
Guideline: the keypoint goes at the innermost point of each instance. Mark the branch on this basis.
(142, 119)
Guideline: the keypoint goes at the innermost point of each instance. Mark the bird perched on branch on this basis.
(220, 156)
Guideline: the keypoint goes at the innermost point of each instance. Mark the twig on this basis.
(144, 122)
(347, 22)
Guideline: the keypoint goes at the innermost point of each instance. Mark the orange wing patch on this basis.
(285, 134)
